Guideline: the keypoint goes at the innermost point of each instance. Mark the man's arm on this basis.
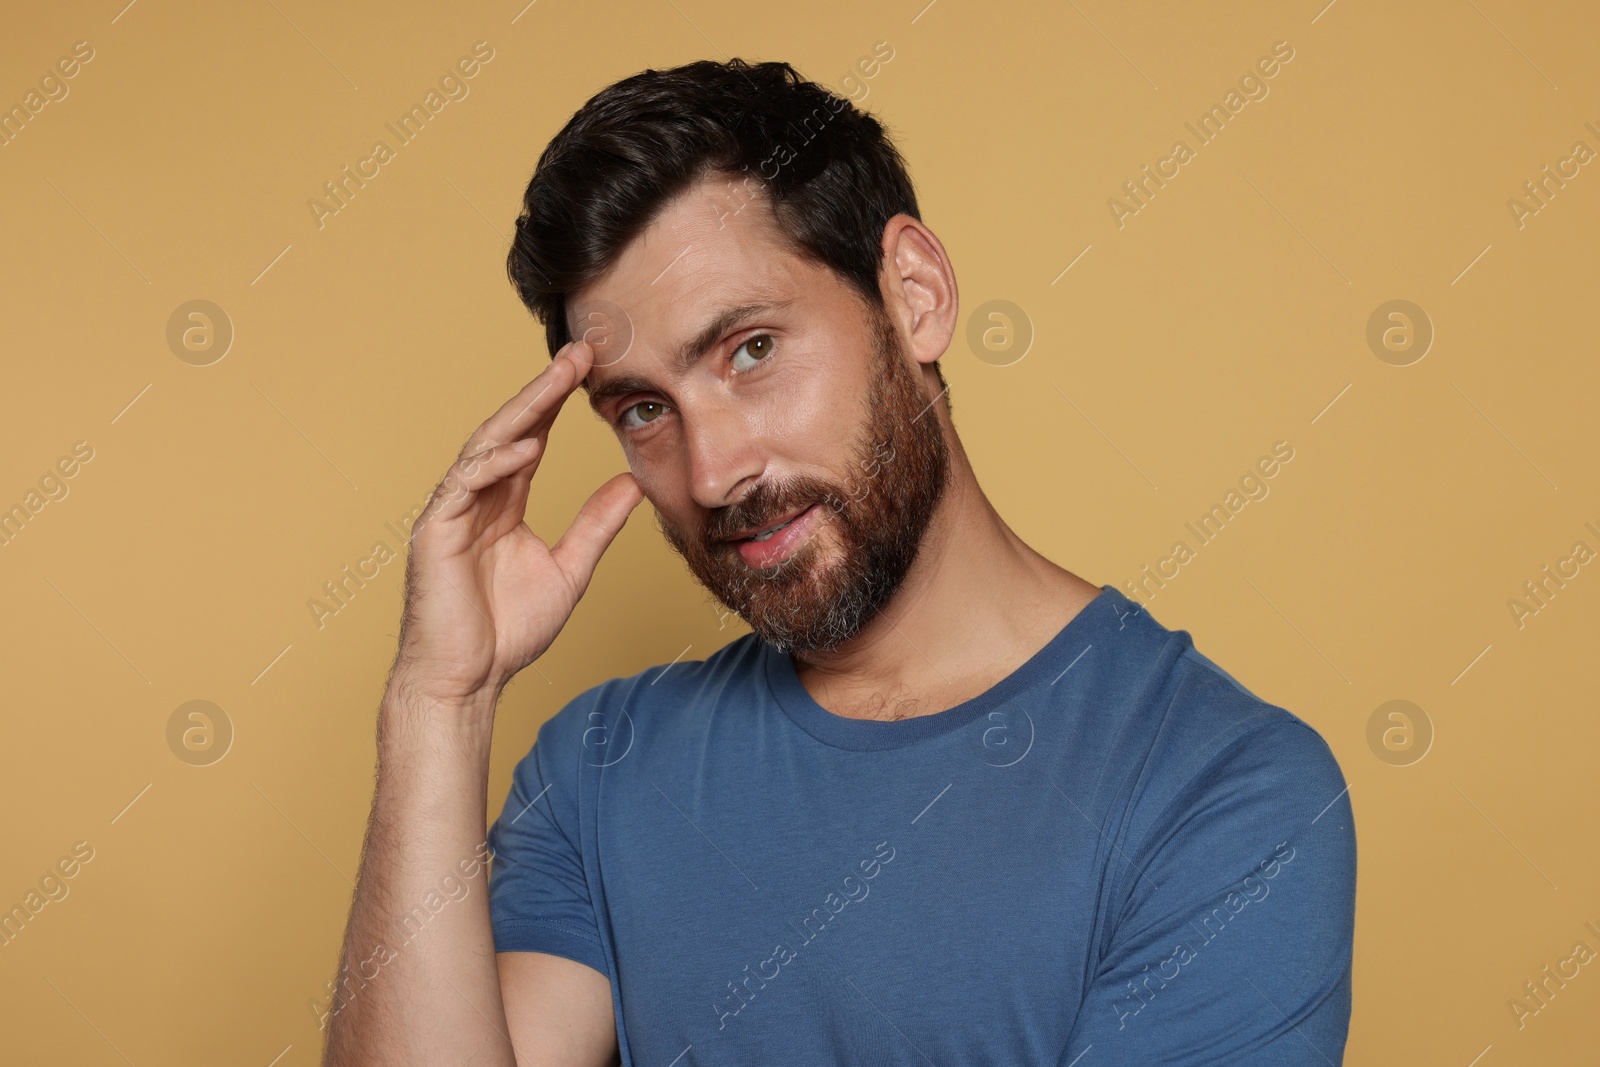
(419, 980)
(560, 1006)
(422, 985)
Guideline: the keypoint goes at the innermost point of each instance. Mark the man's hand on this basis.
(485, 596)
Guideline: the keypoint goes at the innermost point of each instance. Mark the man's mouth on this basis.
(778, 541)
(766, 533)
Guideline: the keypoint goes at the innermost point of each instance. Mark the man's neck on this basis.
(976, 605)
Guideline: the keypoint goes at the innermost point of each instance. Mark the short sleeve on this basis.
(1233, 939)
(539, 898)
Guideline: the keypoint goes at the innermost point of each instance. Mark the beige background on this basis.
(1229, 313)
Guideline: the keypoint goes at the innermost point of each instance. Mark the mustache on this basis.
(765, 506)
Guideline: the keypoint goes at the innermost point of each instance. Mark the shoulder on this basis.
(1214, 754)
(1212, 726)
(1229, 787)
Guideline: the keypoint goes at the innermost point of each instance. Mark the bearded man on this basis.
(946, 803)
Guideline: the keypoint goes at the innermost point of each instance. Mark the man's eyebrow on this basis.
(691, 351)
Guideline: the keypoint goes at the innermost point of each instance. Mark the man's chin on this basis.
(790, 609)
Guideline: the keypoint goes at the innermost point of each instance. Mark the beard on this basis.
(820, 596)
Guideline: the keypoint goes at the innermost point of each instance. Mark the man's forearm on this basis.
(417, 981)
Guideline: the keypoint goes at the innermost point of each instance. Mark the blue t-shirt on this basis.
(1115, 855)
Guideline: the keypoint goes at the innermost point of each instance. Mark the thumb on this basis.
(596, 525)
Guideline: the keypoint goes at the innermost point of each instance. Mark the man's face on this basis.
(810, 403)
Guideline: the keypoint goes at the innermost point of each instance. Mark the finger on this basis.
(602, 516)
(519, 482)
(535, 404)
(536, 401)
(471, 474)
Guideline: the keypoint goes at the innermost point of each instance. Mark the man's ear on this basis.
(919, 287)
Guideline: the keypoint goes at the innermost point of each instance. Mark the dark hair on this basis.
(833, 176)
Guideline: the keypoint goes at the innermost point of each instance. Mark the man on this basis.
(948, 803)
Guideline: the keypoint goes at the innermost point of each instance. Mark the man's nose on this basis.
(724, 454)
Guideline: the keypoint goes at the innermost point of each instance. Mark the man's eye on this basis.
(644, 420)
(759, 346)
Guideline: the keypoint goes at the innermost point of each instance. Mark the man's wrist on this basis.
(411, 707)
(411, 682)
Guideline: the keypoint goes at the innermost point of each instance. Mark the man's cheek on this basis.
(653, 484)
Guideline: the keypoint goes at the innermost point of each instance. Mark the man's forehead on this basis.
(717, 232)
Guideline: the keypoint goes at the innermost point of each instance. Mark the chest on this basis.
(850, 909)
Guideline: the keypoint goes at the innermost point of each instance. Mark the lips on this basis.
(750, 531)
(769, 550)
